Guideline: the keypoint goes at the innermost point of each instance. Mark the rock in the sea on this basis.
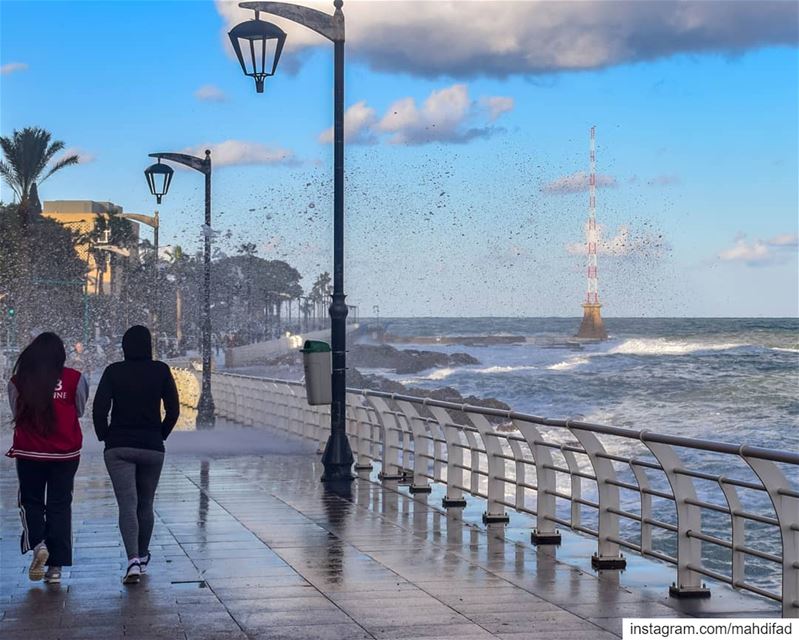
(405, 360)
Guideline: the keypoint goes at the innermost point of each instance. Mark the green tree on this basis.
(51, 298)
(27, 160)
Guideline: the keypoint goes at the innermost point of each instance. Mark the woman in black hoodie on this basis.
(134, 441)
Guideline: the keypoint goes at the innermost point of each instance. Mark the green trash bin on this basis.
(317, 361)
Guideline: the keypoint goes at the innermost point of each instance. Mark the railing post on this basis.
(576, 484)
(689, 519)
(363, 436)
(392, 469)
(495, 510)
(786, 506)
(607, 555)
(738, 526)
(422, 449)
(520, 472)
(642, 480)
(546, 485)
(452, 434)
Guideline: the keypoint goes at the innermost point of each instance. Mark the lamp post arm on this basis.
(198, 164)
(330, 26)
(150, 221)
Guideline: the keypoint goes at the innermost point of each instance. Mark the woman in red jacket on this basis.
(46, 400)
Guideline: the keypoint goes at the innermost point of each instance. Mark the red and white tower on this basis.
(592, 327)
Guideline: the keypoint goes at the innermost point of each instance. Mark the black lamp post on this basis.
(257, 37)
(159, 177)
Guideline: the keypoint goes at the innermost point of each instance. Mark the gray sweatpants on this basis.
(134, 474)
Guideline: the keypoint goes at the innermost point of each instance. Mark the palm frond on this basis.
(64, 162)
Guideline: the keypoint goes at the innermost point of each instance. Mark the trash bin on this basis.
(317, 360)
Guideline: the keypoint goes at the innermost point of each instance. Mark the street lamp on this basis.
(159, 176)
(158, 180)
(264, 41)
(337, 458)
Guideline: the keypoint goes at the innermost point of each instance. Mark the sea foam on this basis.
(661, 347)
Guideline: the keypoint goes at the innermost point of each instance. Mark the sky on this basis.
(467, 134)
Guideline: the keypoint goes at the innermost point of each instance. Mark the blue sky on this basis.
(467, 198)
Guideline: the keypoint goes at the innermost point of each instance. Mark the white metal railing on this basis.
(661, 496)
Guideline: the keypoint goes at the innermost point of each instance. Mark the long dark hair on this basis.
(37, 372)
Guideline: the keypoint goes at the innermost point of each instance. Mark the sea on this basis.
(734, 380)
(729, 379)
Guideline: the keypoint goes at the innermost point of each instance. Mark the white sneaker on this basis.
(40, 556)
(144, 561)
(133, 574)
(53, 575)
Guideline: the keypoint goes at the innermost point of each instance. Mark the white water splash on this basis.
(662, 347)
(565, 365)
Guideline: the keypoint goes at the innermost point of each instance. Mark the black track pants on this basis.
(45, 506)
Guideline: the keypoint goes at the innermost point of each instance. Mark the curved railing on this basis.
(712, 509)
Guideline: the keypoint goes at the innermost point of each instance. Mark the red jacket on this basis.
(64, 443)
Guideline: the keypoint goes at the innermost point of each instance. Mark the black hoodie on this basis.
(136, 387)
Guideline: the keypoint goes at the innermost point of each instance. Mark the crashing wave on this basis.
(662, 347)
(568, 364)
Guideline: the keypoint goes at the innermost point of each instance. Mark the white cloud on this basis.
(84, 157)
(577, 182)
(497, 105)
(759, 253)
(785, 240)
(440, 118)
(358, 122)
(666, 180)
(626, 243)
(11, 67)
(239, 152)
(447, 115)
(210, 93)
(458, 38)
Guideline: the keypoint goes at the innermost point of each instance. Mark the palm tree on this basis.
(27, 160)
(179, 261)
(248, 249)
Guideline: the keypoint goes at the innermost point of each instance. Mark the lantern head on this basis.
(158, 178)
(258, 45)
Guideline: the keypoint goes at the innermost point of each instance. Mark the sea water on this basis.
(729, 379)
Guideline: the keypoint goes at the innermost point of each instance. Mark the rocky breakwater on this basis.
(361, 356)
(405, 360)
(413, 361)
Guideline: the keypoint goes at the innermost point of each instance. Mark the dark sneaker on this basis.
(40, 556)
(144, 561)
(53, 575)
(133, 574)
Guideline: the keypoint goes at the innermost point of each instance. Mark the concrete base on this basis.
(390, 476)
(592, 327)
(544, 538)
(363, 467)
(453, 502)
(689, 592)
(490, 518)
(605, 563)
(420, 489)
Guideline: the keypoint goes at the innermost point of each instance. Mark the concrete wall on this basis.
(260, 351)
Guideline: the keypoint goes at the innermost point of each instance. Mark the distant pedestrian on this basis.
(133, 390)
(46, 400)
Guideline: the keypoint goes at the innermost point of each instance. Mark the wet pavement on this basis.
(254, 546)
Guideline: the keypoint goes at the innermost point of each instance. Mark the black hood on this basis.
(137, 343)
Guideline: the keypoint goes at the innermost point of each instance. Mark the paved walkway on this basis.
(256, 547)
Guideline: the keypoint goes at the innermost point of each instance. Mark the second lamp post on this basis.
(159, 176)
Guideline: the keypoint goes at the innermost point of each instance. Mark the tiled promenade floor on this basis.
(255, 547)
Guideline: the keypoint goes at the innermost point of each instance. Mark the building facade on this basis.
(107, 246)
